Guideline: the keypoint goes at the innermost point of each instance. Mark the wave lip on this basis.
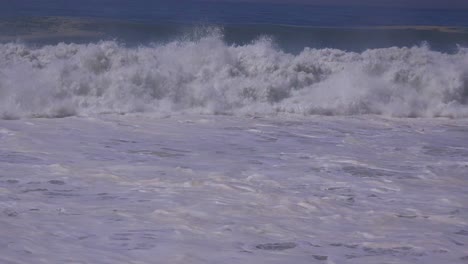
(206, 75)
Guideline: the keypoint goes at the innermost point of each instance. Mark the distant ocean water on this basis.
(238, 12)
(293, 26)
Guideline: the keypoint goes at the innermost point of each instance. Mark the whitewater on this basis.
(137, 188)
(194, 149)
(208, 76)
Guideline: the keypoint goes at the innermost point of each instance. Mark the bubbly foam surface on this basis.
(223, 189)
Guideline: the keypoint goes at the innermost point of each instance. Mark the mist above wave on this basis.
(206, 75)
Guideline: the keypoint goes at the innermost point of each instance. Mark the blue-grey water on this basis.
(293, 26)
(238, 12)
(223, 132)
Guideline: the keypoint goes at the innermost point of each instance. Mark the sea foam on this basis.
(208, 76)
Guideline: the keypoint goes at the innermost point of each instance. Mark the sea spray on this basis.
(206, 75)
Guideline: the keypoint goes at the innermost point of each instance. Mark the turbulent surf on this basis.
(203, 132)
(207, 75)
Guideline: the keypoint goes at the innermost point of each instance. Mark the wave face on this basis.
(208, 76)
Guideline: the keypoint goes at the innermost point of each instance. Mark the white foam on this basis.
(209, 76)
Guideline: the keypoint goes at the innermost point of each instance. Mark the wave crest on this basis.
(208, 76)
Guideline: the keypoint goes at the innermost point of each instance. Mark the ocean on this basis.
(232, 132)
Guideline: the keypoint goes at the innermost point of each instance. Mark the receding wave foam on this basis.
(208, 76)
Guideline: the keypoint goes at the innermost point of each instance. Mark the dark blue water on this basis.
(159, 11)
(291, 26)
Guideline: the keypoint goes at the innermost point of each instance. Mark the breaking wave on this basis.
(208, 76)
